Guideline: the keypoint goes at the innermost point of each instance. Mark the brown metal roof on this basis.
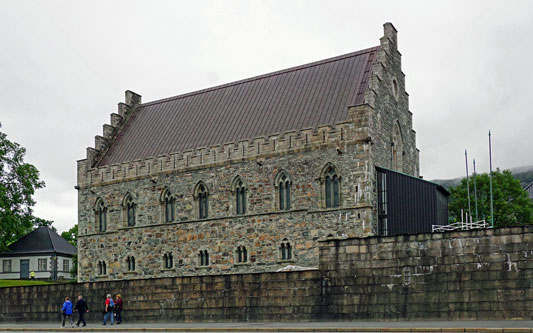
(301, 97)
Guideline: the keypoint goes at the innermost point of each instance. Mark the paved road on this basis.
(359, 326)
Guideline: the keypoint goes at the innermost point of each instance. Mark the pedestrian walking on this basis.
(32, 275)
(109, 308)
(119, 307)
(82, 308)
(66, 311)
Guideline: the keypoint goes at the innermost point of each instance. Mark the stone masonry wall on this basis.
(261, 230)
(469, 275)
(483, 275)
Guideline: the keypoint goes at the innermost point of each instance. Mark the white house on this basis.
(42, 251)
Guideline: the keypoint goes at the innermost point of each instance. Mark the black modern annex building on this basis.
(409, 205)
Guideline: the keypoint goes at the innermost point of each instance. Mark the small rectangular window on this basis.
(6, 266)
(66, 265)
(41, 264)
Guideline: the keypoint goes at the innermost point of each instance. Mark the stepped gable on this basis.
(297, 98)
(41, 240)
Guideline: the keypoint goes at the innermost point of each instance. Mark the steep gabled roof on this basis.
(297, 98)
(41, 240)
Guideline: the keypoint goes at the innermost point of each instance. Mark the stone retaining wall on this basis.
(483, 275)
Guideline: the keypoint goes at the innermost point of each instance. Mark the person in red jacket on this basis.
(119, 307)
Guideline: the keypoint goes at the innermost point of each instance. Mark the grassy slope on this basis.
(16, 283)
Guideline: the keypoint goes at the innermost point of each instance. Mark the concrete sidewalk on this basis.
(358, 326)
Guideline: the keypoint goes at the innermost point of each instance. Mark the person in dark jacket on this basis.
(82, 308)
(66, 311)
(119, 307)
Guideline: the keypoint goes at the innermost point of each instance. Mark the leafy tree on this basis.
(71, 235)
(512, 205)
(18, 182)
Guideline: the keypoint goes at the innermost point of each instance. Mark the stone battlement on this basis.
(352, 131)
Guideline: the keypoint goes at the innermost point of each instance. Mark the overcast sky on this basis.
(64, 66)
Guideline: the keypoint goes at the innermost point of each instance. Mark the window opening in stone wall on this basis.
(395, 89)
(242, 254)
(101, 215)
(285, 250)
(240, 197)
(168, 260)
(102, 269)
(382, 204)
(6, 266)
(131, 263)
(130, 210)
(203, 258)
(202, 202)
(397, 149)
(66, 265)
(284, 192)
(41, 265)
(332, 188)
(169, 206)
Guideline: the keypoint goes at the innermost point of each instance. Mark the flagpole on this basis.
(467, 183)
(475, 189)
(491, 198)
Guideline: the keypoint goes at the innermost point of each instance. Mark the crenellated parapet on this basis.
(352, 131)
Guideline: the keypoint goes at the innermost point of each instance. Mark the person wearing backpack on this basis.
(109, 308)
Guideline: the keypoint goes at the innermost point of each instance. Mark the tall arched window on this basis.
(397, 148)
(101, 215)
(331, 188)
(240, 196)
(202, 195)
(283, 185)
(168, 205)
(129, 210)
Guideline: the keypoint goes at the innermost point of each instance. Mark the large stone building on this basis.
(245, 176)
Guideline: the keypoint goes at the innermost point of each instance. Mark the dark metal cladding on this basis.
(306, 96)
(409, 205)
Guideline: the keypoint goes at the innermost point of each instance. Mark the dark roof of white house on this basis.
(42, 240)
(293, 99)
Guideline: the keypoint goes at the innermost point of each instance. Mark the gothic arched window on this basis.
(168, 205)
(130, 261)
(240, 196)
(168, 260)
(129, 210)
(283, 184)
(331, 188)
(285, 250)
(101, 215)
(202, 195)
(203, 258)
(241, 254)
(397, 149)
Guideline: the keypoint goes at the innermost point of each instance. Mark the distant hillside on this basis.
(523, 174)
